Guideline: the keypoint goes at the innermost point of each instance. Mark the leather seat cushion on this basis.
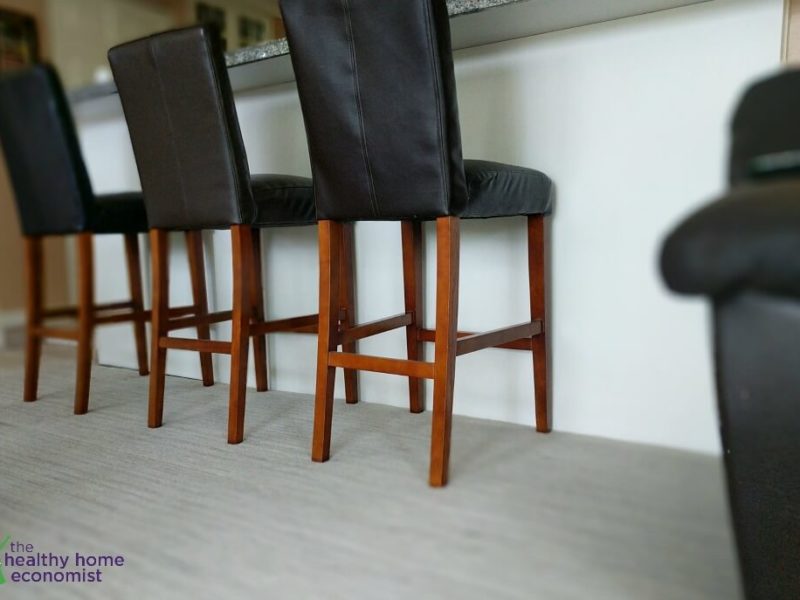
(119, 213)
(283, 200)
(499, 190)
(750, 239)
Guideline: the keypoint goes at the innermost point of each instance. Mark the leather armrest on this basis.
(749, 239)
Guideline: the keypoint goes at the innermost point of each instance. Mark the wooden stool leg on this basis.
(197, 272)
(412, 285)
(159, 248)
(257, 300)
(137, 298)
(447, 265)
(537, 265)
(242, 245)
(330, 244)
(85, 321)
(347, 302)
(34, 283)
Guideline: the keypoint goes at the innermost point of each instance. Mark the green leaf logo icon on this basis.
(3, 545)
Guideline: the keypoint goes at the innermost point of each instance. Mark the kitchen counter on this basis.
(629, 117)
(475, 23)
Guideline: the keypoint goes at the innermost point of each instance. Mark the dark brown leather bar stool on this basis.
(54, 198)
(182, 119)
(378, 95)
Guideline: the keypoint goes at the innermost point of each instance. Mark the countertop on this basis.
(476, 22)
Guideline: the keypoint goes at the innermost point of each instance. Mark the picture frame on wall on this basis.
(251, 31)
(19, 40)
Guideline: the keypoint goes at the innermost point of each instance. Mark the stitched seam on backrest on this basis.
(435, 65)
(176, 154)
(227, 128)
(357, 90)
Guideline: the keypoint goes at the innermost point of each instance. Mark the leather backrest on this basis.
(378, 95)
(50, 182)
(766, 130)
(179, 106)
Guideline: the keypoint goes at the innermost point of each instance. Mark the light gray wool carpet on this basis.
(525, 516)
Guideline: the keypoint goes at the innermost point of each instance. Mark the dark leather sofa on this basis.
(743, 252)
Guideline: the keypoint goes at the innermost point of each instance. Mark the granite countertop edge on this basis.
(275, 48)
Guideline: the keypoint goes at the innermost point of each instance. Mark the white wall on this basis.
(630, 120)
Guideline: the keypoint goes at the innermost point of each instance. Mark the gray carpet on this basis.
(525, 516)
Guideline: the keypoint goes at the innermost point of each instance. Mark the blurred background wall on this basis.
(82, 31)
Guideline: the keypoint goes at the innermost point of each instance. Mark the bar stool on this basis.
(54, 198)
(179, 106)
(378, 95)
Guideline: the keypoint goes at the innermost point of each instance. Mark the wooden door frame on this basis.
(790, 42)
